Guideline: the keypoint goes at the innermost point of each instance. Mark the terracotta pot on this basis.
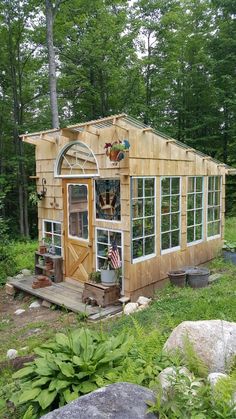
(114, 154)
(42, 249)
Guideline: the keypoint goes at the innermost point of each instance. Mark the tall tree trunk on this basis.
(50, 12)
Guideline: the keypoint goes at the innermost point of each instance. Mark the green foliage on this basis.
(192, 360)
(70, 366)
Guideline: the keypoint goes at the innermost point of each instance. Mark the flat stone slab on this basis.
(116, 401)
(214, 277)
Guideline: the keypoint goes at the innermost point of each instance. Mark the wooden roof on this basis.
(95, 125)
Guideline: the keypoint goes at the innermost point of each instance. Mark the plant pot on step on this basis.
(108, 277)
(177, 278)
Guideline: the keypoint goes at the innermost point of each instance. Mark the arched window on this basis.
(76, 160)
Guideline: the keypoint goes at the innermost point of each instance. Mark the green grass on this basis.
(230, 229)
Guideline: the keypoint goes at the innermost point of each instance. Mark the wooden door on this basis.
(78, 228)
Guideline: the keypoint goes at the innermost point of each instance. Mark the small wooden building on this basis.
(162, 202)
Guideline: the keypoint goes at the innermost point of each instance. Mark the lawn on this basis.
(170, 307)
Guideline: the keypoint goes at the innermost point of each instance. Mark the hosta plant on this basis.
(70, 366)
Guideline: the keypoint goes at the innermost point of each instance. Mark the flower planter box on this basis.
(102, 295)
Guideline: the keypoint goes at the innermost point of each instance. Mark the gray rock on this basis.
(116, 401)
(19, 276)
(214, 277)
(214, 377)
(12, 353)
(19, 311)
(26, 272)
(167, 379)
(35, 304)
(130, 308)
(143, 300)
(214, 342)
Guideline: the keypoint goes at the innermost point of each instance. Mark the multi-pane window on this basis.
(213, 208)
(107, 199)
(170, 212)
(143, 217)
(52, 232)
(195, 209)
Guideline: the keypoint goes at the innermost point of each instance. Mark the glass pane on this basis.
(199, 184)
(210, 214)
(107, 199)
(77, 159)
(165, 241)
(210, 198)
(217, 198)
(137, 228)
(149, 226)
(57, 240)
(175, 238)
(149, 245)
(58, 251)
(175, 203)
(137, 248)
(216, 228)
(137, 208)
(199, 200)
(198, 232)
(211, 183)
(191, 201)
(57, 228)
(190, 184)
(217, 213)
(115, 237)
(165, 186)
(137, 187)
(165, 222)
(198, 219)
(175, 185)
(101, 262)
(165, 205)
(190, 218)
(190, 234)
(210, 230)
(174, 221)
(47, 227)
(78, 211)
(102, 250)
(149, 207)
(217, 183)
(102, 236)
(149, 187)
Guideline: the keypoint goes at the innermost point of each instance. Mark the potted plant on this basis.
(95, 277)
(229, 251)
(110, 271)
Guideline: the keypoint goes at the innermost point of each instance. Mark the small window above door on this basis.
(108, 199)
(76, 159)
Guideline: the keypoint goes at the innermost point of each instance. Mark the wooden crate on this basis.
(101, 294)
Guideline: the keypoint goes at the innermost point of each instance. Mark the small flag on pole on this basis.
(114, 256)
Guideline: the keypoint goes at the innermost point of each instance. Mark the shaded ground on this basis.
(25, 331)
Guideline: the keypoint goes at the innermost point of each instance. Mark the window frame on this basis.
(95, 208)
(44, 220)
(151, 255)
(175, 248)
(216, 236)
(194, 209)
(110, 230)
(78, 239)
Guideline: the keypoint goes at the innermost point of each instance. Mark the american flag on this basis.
(114, 256)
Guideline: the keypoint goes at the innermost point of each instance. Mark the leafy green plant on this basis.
(95, 277)
(70, 366)
(229, 246)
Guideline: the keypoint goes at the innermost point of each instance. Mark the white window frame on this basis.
(176, 248)
(95, 209)
(195, 209)
(110, 230)
(57, 165)
(53, 234)
(146, 257)
(216, 236)
(68, 215)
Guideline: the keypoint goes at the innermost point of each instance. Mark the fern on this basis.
(192, 360)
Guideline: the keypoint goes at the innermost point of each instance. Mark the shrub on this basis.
(68, 367)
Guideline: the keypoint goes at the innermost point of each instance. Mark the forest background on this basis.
(169, 63)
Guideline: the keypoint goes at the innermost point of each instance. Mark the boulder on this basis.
(214, 342)
(130, 308)
(116, 401)
(214, 377)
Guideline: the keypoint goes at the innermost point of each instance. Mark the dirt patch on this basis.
(31, 328)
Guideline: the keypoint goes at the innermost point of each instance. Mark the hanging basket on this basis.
(114, 155)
